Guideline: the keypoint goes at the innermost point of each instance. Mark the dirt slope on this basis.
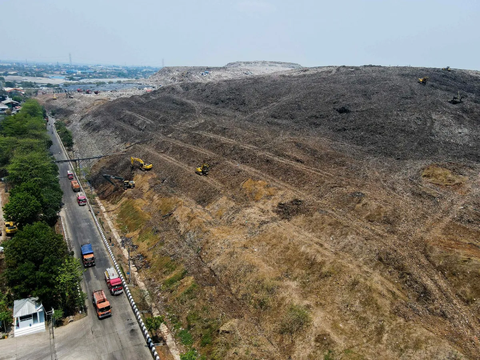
(340, 216)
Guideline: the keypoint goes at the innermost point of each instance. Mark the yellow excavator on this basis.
(447, 68)
(202, 169)
(423, 80)
(142, 164)
(127, 184)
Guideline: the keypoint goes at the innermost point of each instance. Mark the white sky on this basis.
(431, 33)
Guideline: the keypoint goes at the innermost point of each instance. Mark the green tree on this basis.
(6, 314)
(23, 208)
(32, 108)
(7, 146)
(69, 276)
(17, 98)
(50, 198)
(36, 167)
(33, 258)
(26, 146)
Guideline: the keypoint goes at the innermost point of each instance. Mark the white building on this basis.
(29, 316)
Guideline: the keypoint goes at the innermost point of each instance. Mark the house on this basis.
(29, 316)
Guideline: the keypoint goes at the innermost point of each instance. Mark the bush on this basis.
(185, 337)
(153, 324)
(294, 320)
(190, 355)
(65, 134)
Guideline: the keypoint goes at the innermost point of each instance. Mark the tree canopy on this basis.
(33, 258)
(37, 259)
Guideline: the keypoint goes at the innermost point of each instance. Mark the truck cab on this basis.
(88, 258)
(69, 175)
(113, 281)
(101, 304)
(81, 199)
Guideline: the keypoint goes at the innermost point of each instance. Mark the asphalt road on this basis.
(116, 337)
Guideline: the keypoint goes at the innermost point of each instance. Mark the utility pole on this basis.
(53, 353)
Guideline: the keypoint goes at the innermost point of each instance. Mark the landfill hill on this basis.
(235, 70)
(340, 217)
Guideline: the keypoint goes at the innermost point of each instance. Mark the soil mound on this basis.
(340, 216)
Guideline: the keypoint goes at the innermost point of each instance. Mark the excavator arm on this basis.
(108, 177)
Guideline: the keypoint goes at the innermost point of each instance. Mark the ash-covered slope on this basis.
(340, 216)
(385, 111)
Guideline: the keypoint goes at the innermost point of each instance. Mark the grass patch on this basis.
(130, 218)
(188, 294)
(147, 236)
(206, 339)
(175, 278)
(185, 337)
(294, 320)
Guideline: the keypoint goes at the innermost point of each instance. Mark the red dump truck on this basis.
(75, 185)
(114, 283)
(101, 304)
(81, 199)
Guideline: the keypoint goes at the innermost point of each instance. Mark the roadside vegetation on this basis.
(37, 260)
(65, 134)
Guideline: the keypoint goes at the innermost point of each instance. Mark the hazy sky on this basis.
(432, 33)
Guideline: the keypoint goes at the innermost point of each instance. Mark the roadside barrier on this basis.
(138, 316)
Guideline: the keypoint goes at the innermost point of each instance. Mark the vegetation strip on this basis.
(37, 260)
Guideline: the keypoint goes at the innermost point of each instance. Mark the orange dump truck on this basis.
(114, 283)
(101, 304)
(75, 185)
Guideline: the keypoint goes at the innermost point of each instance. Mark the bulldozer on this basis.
(423, 80)
(202, 169)
(142, 165)
(457, 99)
(127, 184)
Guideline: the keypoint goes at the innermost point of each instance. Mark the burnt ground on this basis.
(340, 215)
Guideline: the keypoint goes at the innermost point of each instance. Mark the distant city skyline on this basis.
(27, 61)
(420, 33)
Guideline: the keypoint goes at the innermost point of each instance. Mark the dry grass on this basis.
(257, 190)
(440, 176)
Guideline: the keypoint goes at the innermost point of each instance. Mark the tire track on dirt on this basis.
(140, 117)
(267, 154)
(389, 242)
